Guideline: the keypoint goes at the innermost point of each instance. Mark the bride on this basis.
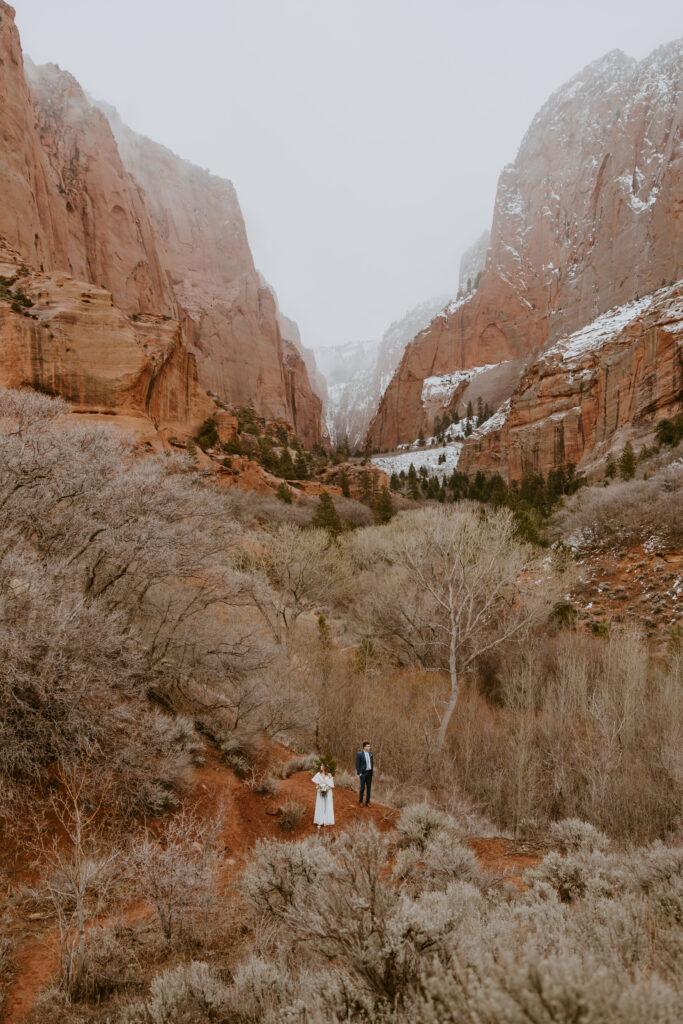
(324, 804)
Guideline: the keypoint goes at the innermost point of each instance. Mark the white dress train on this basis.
(324, 804)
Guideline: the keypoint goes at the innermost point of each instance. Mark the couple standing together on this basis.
(324, 783)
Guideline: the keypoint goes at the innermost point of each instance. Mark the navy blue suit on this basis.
(365, 775)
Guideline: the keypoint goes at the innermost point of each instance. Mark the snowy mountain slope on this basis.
(358, 373)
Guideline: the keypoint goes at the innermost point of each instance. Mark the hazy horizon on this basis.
(364, 140)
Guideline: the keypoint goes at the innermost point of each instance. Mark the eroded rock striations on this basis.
(587, 218)
(612, 377)
(84, 196)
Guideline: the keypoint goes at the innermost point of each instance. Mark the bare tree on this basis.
(288, 570)
(79, 875)
(176, 872)
(442, 587)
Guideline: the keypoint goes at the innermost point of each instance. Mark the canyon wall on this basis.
(85, 196)
(589, 216)
(589, 392)
(359, 373)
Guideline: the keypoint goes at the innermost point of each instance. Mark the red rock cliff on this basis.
(163, 238)
(588, 392)
(587, 217)
(229, 314)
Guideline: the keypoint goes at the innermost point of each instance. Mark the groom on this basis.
(364, 769)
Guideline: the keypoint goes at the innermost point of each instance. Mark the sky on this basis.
(364, 137)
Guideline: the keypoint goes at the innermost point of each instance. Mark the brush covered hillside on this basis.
(572, 333)
(167, 644)
(130, 276)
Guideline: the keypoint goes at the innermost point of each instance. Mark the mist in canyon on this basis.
(364, 140)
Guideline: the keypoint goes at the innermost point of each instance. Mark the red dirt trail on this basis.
(248, 817)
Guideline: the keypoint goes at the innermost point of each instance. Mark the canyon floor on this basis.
(248, 817)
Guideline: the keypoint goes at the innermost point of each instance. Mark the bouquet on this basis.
(322, 789)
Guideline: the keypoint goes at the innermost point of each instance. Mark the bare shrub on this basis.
(79, 877)
(443, 860)
(574, 835)
(298, 763)
(287, 570)
(99, 542)
(189, 992)
(596, 937)
(625, 513)
(292, 814)
(420, 823)
(278, 870)
(262, 783)
(260, 990)
(176, 872)
(110, 964)
(6, 967)
(345, 780)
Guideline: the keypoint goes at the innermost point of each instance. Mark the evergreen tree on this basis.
(208, 434)
(366, 488)
(324, 633)
(300, 466)
(394, 482)
(480, 411)
(627, 462)
(456, 418)
(468, 428)
(421, 438)
(470, 411)
(413, 490)
(384, 510)
(344, 482)
(669, 432)
(285, 465)
(284, 494)
(326, 516)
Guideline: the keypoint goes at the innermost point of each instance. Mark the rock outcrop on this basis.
(588, 392)
(84, 196)
(67, 337)
(588, 217)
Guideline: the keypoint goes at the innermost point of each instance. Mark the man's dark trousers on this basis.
(365, 786)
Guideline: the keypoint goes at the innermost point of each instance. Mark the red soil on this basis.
(504, 857)
(248, 817)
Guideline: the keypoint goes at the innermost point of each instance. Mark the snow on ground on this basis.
(419, 457)
(494, 422)
(444, 386)
(596, 333)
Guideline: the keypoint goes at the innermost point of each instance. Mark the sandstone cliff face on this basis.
(162, 238)
(97, 205)
(584, 394)
(587, 217)
(27, 193)
(75, 342)
(229, 314)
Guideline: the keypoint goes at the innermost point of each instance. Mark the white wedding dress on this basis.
(324, 804)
